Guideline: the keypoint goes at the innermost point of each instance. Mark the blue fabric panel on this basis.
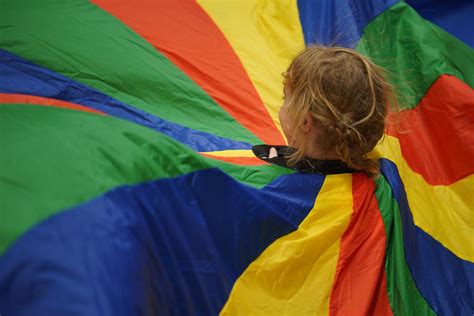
(454, 16)
(18, 75)
(444, 280)
(338, 22)
(165, 247)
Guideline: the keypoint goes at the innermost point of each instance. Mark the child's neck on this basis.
(315, 153)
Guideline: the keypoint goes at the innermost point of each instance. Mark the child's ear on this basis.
(307, 123)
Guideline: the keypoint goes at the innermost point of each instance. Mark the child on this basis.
(335, 104)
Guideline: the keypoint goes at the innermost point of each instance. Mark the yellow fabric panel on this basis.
(294, 275)
(266, 35)
(231, 153)
(444, 212)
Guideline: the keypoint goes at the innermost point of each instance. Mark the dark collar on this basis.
(307, 165)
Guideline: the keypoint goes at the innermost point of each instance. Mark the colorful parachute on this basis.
(127, 183)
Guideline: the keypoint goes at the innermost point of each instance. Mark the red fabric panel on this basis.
(185, 34)
(360, 283)
(437, 137)
(29, 99)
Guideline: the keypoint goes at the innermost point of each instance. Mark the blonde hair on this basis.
(348, 98)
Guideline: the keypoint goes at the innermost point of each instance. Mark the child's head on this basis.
(335, 105)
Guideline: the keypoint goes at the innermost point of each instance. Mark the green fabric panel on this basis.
(81, 41)
(404, 296)
(415, 52)
(54, 159)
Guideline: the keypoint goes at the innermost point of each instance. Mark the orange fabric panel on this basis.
(201, 52)
(244, 161)
(437, 137)
(359, 287)
(29, 99)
